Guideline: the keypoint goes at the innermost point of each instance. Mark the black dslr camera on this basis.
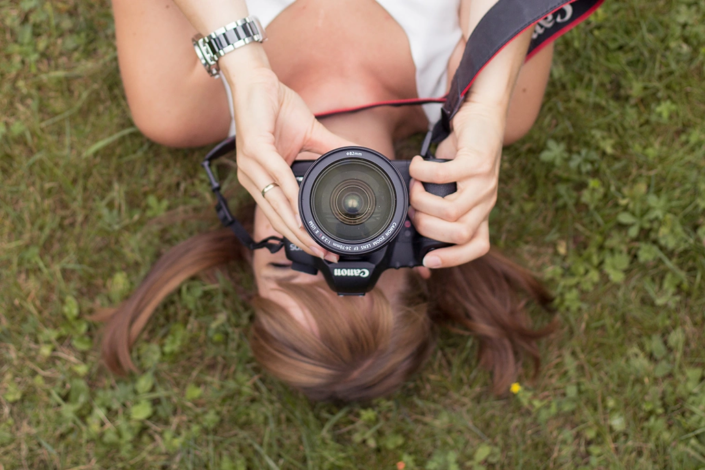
(354, 201)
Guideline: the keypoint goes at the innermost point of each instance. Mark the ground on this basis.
(604, 199)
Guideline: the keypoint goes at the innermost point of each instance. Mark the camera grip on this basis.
(441, 190)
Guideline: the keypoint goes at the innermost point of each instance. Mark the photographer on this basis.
(322, 56)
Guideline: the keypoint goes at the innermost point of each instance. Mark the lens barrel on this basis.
(353, 201)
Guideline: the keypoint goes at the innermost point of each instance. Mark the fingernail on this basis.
(317, 250)
(332, 258)
(298, 221)
(412, 213)
(432, 262)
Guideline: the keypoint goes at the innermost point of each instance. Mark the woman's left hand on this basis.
(475, 150)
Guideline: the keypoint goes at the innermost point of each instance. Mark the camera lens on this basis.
(353, 201)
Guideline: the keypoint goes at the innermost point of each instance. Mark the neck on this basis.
(372, 128)
(377, 128)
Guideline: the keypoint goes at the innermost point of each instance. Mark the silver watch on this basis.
(226, 39)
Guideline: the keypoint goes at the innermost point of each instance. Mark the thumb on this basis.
(321, 140)
(423, 271)
(448, 148)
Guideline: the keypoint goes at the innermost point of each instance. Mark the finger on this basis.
(460, 254)
(422, 271)
(283, 200)
(457, 233)
(278, 214)
(448, 148)
(265, 159)
(277, 210)
(280, 226)
(466, 164)
(320, 140)
(449, 208)
(452, 207)
(436, 172)
(281, 174)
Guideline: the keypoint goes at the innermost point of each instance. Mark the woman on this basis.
(321, 56)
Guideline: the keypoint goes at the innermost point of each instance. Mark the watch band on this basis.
(226, 39)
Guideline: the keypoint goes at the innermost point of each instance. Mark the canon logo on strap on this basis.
(351, 272)
(562, 16)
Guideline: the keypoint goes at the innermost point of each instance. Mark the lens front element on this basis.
(353, 201)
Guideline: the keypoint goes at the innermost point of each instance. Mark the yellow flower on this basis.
(515, 388)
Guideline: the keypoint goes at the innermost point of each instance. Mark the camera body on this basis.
(354, 202)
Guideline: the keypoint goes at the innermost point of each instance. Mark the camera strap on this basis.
(502, 23)
(273, 244)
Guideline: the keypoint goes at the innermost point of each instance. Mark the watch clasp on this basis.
(206, 55)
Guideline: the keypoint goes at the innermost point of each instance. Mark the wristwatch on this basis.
(226, 39)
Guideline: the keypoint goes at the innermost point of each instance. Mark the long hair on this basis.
(361, 348)
(487, 298)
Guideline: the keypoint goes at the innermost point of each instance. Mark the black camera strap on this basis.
(506, 20)
(273, 244)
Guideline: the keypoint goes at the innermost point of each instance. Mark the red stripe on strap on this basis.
(533, 25)
(572, 25)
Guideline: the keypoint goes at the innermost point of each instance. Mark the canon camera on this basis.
(354, 202)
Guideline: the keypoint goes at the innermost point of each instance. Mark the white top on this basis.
(433, 30)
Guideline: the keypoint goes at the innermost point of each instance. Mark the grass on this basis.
(605, 198)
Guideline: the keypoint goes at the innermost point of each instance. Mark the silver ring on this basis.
(268, 187)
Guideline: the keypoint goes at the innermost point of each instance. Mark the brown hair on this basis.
(361, 349)
(487, 297)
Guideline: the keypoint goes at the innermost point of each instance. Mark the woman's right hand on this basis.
(273, 126)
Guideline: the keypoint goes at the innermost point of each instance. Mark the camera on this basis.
(354, 202)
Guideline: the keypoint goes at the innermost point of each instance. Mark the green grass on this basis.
(605, 198)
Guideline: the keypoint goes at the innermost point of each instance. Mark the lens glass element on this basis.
(353, 201)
